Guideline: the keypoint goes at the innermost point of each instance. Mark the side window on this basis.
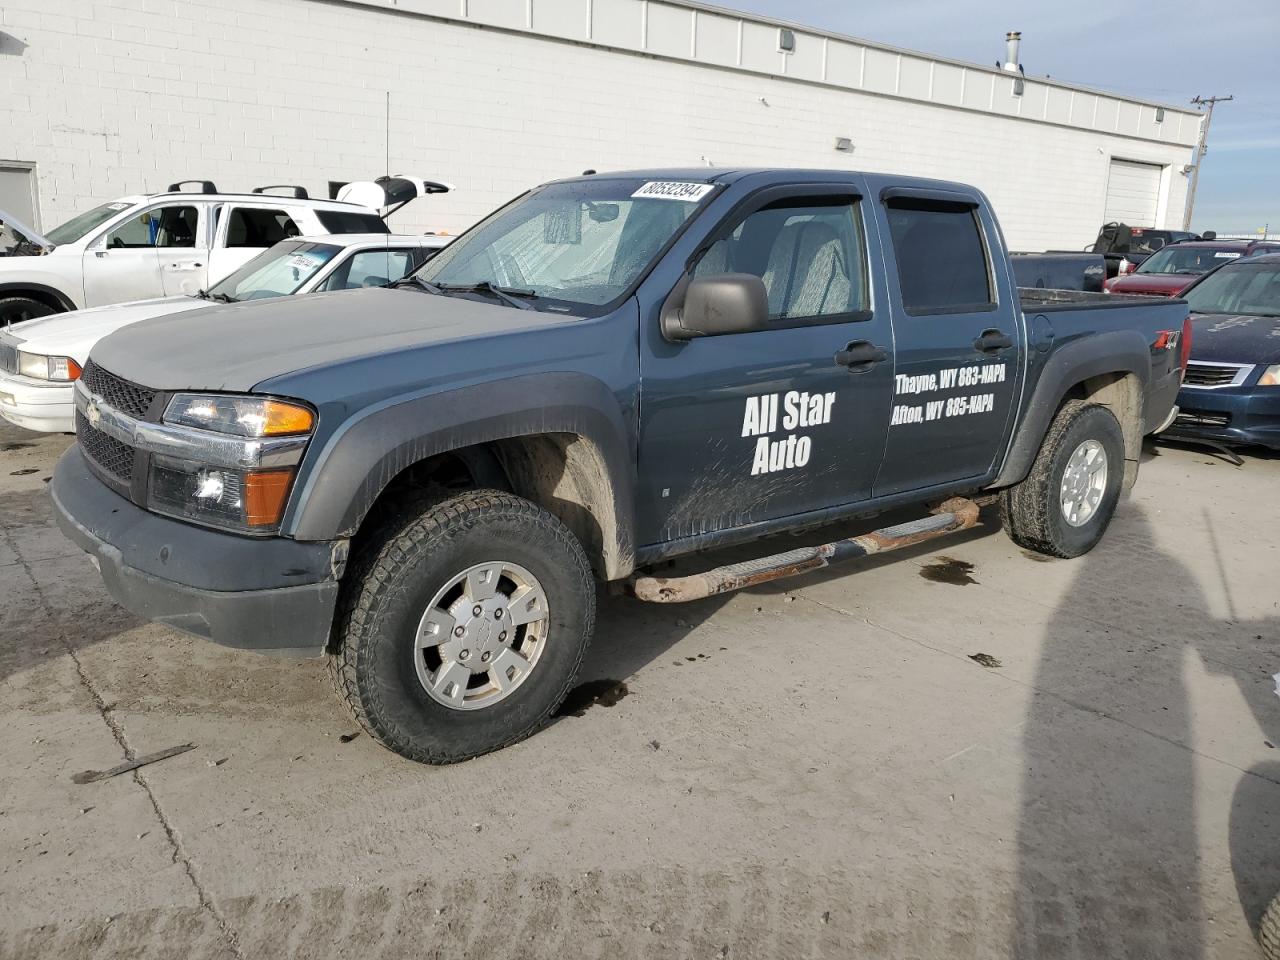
(942, 261)
(810, 253)
(252, 227)
(369, 268)
(158, 227)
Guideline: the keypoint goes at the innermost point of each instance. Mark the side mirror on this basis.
(713, 306)
(1209, 235)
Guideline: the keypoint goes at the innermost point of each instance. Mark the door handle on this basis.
(861, 355)
(993, 341)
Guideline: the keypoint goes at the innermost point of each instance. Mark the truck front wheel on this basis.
(462, 626)
(1064, 505)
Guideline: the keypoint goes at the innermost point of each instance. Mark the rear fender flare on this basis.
(1071, 364)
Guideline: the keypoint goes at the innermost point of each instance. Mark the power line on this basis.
(1201, 149)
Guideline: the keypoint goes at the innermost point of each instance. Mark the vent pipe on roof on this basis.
(1012, 40)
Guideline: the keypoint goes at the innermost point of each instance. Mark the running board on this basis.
(952, 516)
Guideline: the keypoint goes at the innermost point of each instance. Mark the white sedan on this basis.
(40, 359)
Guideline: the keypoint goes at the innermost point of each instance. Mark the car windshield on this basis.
(77, 227)
(574, 246)
(1187, 260)
(277, 272)
(1243, 288)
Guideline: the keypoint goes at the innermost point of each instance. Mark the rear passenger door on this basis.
(754, 426)
(958, 340)
(243, 231)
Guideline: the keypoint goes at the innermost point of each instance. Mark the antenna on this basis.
(1201, 149)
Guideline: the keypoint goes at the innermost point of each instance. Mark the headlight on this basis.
(249, 500)
(39, 367)
(1270, 376)
(239, 416)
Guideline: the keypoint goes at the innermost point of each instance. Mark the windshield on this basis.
(571, 246)
(77, 227)
(1187, 260)
(1250, 288)
(277, 272)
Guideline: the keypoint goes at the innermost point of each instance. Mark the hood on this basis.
(238, 346)
(74, 334)
(18, 227)
(1235, 339)
(1153, 284)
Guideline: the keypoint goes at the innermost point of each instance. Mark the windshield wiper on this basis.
(220, 297)
(507, 295)
(416, 281)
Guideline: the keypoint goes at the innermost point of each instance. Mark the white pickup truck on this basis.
(176, 242)
(41, 359)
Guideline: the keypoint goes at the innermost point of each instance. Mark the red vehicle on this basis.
(1173, 268)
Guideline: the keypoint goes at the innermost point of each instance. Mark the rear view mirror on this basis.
(714, 306)
(603, 212)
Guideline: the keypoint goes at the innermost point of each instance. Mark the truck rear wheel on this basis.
(1067, 500)
(463, 626)
(17, 309)
(1269, 930)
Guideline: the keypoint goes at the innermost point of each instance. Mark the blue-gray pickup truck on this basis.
(425, 483)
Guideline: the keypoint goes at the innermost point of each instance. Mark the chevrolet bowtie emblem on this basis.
(92, 413)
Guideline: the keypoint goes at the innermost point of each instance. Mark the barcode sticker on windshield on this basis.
(1228, 255)
(302, 261)
(667, 190)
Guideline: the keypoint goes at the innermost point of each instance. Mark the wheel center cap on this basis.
(482, 628)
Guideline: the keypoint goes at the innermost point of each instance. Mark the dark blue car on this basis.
(1231, 393)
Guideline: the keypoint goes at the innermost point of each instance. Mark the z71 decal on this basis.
(799, 409)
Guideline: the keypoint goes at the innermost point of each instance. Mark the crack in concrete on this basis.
(176, 851)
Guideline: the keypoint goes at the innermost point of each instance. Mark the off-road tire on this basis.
(1269, 930)
(1030, 511)
(387, 590)
(17, 309)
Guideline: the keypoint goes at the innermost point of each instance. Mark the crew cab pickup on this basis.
(177, 242)
(609, 371)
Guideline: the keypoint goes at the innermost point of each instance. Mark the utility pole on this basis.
(1201, 149)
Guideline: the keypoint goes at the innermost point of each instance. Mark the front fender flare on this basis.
(342, 480)
(1115, 351)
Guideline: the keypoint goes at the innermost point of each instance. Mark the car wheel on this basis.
(462, 627)
(17, 309)
(1068, 498)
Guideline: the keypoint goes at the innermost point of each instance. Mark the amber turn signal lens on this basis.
(265, 493)
(73, 370)
(281, 418)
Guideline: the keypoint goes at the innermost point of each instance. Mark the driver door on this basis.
(750, 427)
(124, 263)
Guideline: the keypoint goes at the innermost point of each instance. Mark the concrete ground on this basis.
(814, 769)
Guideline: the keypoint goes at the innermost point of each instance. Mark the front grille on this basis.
(1200, 374)
(8, 358)
(116, 391)
(1202, 418)
(110, 454)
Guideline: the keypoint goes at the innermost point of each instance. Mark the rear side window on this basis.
(942, 261)
(344, 221)
(253, 227)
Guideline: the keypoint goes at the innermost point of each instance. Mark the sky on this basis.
(1169, 51)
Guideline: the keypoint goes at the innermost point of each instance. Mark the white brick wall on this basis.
(124, 96)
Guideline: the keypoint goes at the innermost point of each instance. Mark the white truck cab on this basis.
(175, 243)
(40, 359)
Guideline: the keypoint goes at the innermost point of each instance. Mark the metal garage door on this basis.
(1133, 193)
